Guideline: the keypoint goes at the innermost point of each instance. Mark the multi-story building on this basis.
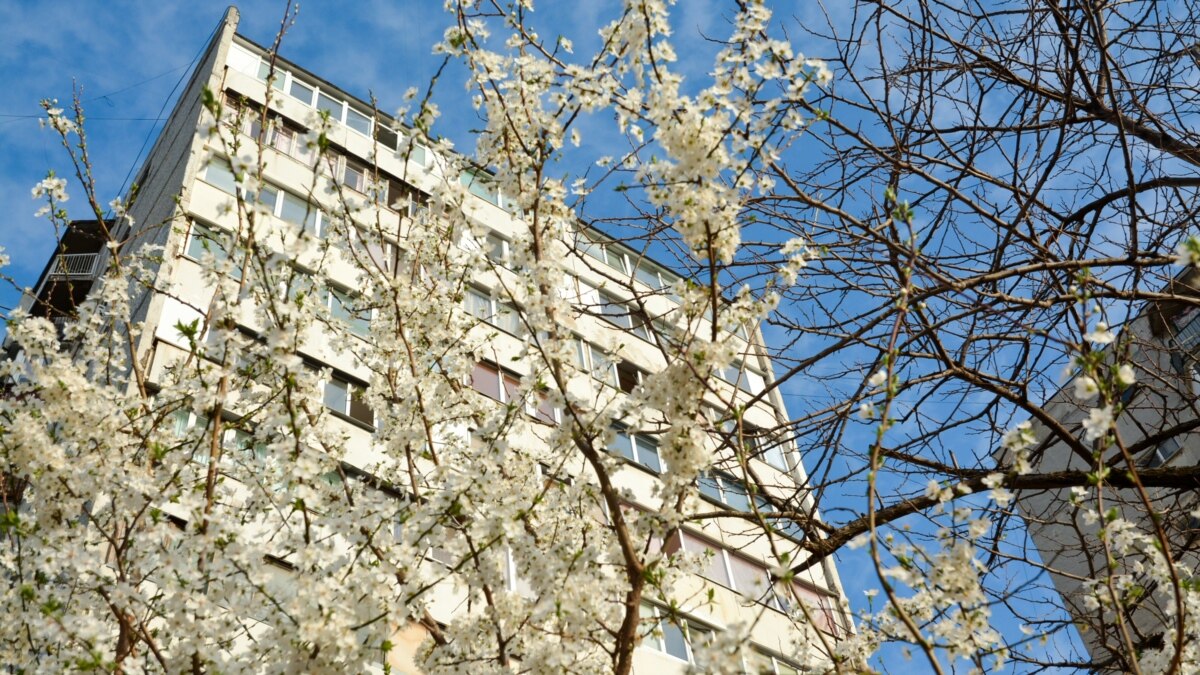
(1158, 424)
(622, 301)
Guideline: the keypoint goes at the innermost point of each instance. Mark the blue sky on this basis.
(129, 57)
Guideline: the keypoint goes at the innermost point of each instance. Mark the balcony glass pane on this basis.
(330, 105)
(301, 91)
(337, 395)
(361, 123)
(622, 444)
(647, 452)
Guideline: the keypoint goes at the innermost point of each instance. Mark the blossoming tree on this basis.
(926, 273)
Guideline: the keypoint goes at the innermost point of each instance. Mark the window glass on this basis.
(477, 304)
(545, 411)
(202, 242)
(354, 177)
(614, 258)
(749, 579)
(387, 138)
(622, 444)
(486, 380)
(404, 198)
(710, 488)
(735, 494)
(359, 409)
(602, 367)
(715, 566)
(674, 639)
(330, 105)
(267, 196)
(362, 123)
(647, 452)
(341, 307)
(510, 387)
(337, 395)
(649, 276)
(480, 187)
(297, 211)
(218, 174)
(592, 249)
(774, 455)
(264, 69)
(497, 249)
(507, 318)
(301, 91)
(628, 376)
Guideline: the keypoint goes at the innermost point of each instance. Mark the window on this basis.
(1187, 335)
(758, 443)
(330, 105)
(354, 176)
(300, 91)
(281, 135)
(481, 186)
(293, 209)
(339, 111)
(341, 307)
(498, 313)
(360, 122)
(1162, 453)
(716, 569)
(503, 386)
(347, 398)
(786, 526)
(592, 360)
(296, 210)
(204, 240)
(264, 69)
(494, 383)
(404, 198)
(375, 250)
(629, 376)
(624, 316)
(673, 635)
(605, 253)
(761, 663)
(238, 446)
(498, 249)
(386, 137)
(725, 489)
(218, 174)
(742, 377)
(639, 448)
(750, 578)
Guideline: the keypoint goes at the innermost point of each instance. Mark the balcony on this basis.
(83, 266)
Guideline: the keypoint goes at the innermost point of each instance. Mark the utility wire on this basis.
(163, 107)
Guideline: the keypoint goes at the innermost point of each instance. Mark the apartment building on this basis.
(1158, 425)
(622, 301)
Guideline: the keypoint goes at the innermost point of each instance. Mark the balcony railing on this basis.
(75, 266)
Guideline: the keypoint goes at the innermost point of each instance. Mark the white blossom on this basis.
(1101, 335)
(1098, 422)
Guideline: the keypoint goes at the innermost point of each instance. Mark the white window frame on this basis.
(656, 639)
(632, 436)
(350, 385)
(495, 308)
(284, 79)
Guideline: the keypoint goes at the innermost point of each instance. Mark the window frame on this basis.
(656, 638)
(495, 308)
(634, 440)
(353, 386)
(210, 243)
